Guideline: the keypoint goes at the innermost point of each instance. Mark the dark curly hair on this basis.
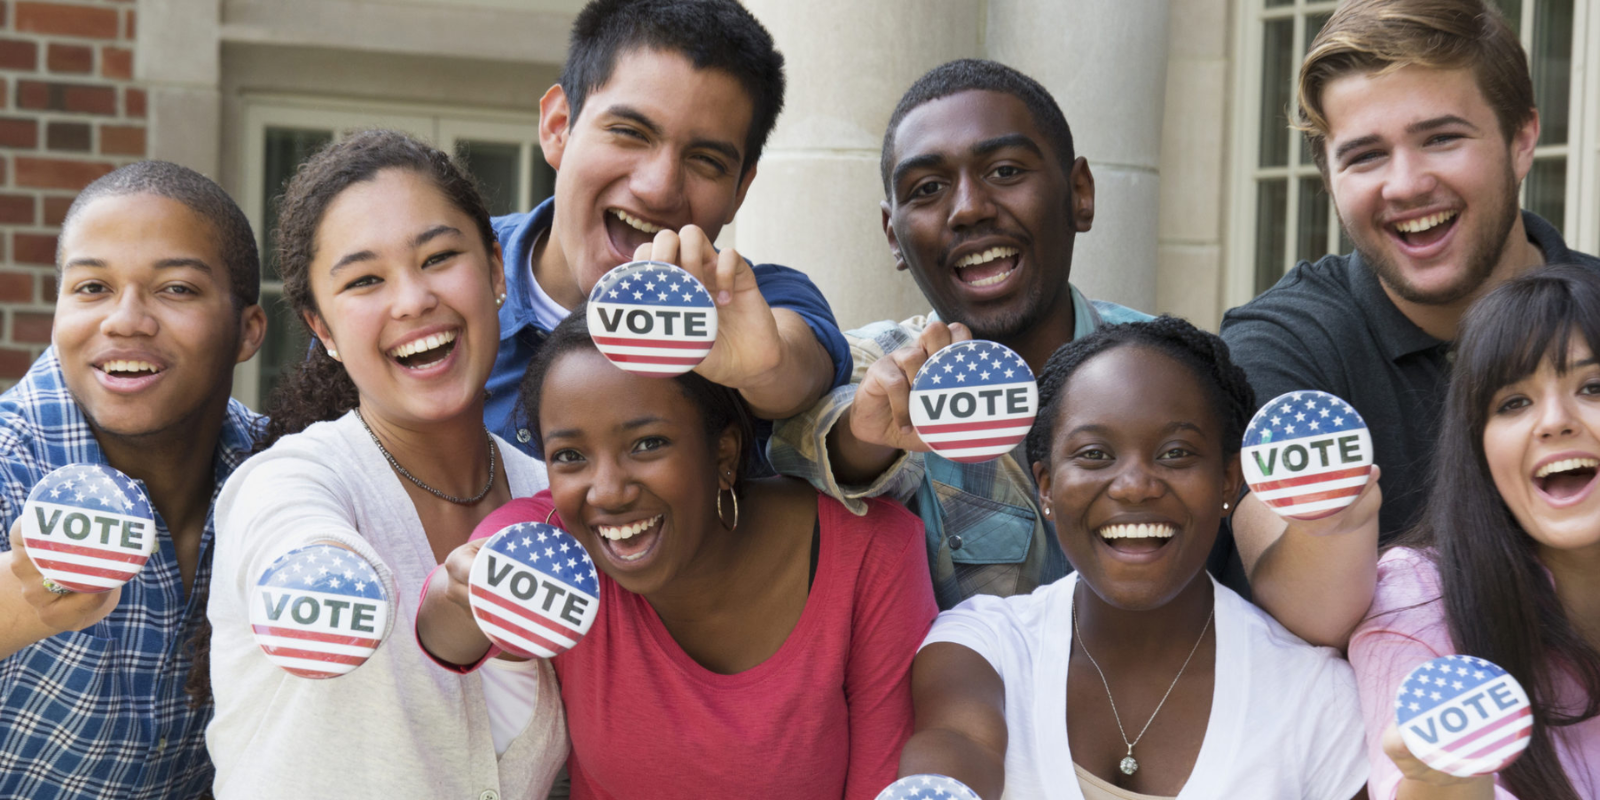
(319, 389)
(719, 406)
(1205, 354)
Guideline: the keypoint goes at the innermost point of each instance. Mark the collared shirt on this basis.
(985, 534)
(102, 712)
(521, 331)
(1330, 326)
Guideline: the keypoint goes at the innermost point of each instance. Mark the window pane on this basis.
(1271, 3)
(1512, 9)
(1314, 23)
(285, 345)
(497, 167)
(1277, 74)
(1552, 68)
(285, 149)
(1547, 189)
(1313, 227)
(544, 178)
(1272, 208)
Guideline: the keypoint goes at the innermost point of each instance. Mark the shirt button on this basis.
(161, 746)
(954, 541)
(489, 794)
(524, 436)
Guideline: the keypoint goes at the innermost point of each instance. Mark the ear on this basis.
(1082, 195)
(497, 270)
(555, 125)
(894, 241)
(252, 330)
(1522, 143)
(1041, 476)
(729, 445)
(744, 186)
(319, 328)
(1232, 486)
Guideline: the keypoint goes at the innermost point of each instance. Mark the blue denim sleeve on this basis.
(791, 289)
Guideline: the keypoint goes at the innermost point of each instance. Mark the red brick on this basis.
(16, 209)
(2, 182)
(47, 287)
(55, 209)
(69, 58)
(122, 140)
(18, 54)
(2, 13)
(133, 102)
(130, 33)
(60, 19)
(67, 136)
(16, 287)
(5, 94)
(14, 363)
(82, 98)
(33, 248)
(34, 95)
(31, 326)
(56, 173)
(116, 62)
(17, 132)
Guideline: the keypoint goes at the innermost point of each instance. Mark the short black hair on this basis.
(712, 34)
(203, 196)
(977, 74)
(1205, 354)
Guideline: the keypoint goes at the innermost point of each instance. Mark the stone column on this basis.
(1105, 61)
(815, 203)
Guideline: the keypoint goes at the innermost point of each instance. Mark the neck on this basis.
(1123, 637)
(1443, 321)
(450, 455)
(1577, 581)
(1040, 340)
(176, 466)
(550, 267)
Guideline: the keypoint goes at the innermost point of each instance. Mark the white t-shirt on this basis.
(1285, 719)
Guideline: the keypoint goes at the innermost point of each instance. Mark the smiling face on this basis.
(660, 145)
(1542, 443)
(145, 326)
(405, 291)
(1424, 180)
(631, 470)
(982, 212)
(1137, 476)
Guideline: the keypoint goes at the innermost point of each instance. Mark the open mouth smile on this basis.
(627, 231)
(1136, 539)
(987, 268)
(632, 542)
(1566, 481)
(425, 351)
(1422, 233)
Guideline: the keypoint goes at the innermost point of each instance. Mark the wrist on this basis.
(853, 459)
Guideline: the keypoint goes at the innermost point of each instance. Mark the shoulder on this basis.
(1274, 651)
(885, 336)
(1115, 314)
(1309, 293)
(507, 226)
(1408, 585)
(885, 521)
(318, 454)
(1004, 630)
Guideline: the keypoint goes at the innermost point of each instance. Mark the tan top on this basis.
(1096, 789)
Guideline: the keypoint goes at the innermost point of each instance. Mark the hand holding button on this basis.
(533, 590)
(974, 401)
(1458, 717)
(927, 787)
(87, 528)
(652, 318)
(72, 611)
(320, 611)
(880, 414)
(1308, 456)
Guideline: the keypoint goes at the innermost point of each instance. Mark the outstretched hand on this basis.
(881, 412)
(58, 612)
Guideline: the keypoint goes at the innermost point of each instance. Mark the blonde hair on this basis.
(1381, 36)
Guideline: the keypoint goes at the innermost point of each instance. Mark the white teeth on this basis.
(974, 259)
(1140, 531)
(424, 344)
(1567, 464)
(635, 221)
(992, 279)
(619, 532)
(129, 366)
(1423, 223)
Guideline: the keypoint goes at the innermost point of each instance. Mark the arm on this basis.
(29, 613)
(446, 629)
(877, 429)
(961, 719)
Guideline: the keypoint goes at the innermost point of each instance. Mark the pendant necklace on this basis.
(1129, 764)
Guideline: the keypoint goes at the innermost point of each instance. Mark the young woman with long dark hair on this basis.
(377, 445)
(1505, 564)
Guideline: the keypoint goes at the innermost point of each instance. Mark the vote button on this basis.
(88, 528)
(974, 401)
(927, 787)
(320, 611)
(652, 318)
(1307, 455)
(533, 590)
(1463, 716)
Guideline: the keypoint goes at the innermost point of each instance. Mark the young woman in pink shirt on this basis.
(754, 638)
(1505, 565)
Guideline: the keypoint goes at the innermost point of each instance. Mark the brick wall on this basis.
(69, 113)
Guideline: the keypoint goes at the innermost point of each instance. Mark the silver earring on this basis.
(500, 301)
(1224, 505)
(1047, 512)
(735, 496)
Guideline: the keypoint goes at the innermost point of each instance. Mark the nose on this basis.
(1556, 419)
(1136, 483)
(130, 316)
(612, 488)
(1410, 177)
(971, 203)
(413, 295)
(657, 180)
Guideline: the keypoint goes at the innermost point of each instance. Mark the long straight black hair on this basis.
(1498, 599)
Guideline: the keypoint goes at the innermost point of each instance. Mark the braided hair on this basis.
(1205, 354)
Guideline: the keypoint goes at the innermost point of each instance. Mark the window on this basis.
(1281, 212)
(500, 150)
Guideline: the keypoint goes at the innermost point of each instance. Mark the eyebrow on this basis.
(634, 115)
(1416, 127)
(416, 241)
(983, 148)
(1104, 430)
(632, 424)
(165, 263)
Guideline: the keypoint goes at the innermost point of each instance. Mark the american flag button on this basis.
(1463, 716)
(533, 590)
(652, 318)
(88, 528)
(1307, 454)
(927, 787)
(319, 611)
(974, 401)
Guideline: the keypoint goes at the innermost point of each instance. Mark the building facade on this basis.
(1204, 196)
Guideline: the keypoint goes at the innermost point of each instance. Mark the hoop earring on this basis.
(550, 515)
(735, 496)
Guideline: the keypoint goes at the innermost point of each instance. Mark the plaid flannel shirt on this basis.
(985, 534)
(102, 712)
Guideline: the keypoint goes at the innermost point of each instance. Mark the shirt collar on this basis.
(519, 235)
(1085, 318)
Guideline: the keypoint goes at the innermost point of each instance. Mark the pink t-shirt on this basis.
(1405, 627)
(824, 717)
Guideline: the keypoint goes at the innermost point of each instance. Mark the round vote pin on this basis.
(88, 528)
(974, 401)
(652, 318)
(1463, 716)
(534, 590)
(927, 787)
(320, 611)
(1307, 454)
